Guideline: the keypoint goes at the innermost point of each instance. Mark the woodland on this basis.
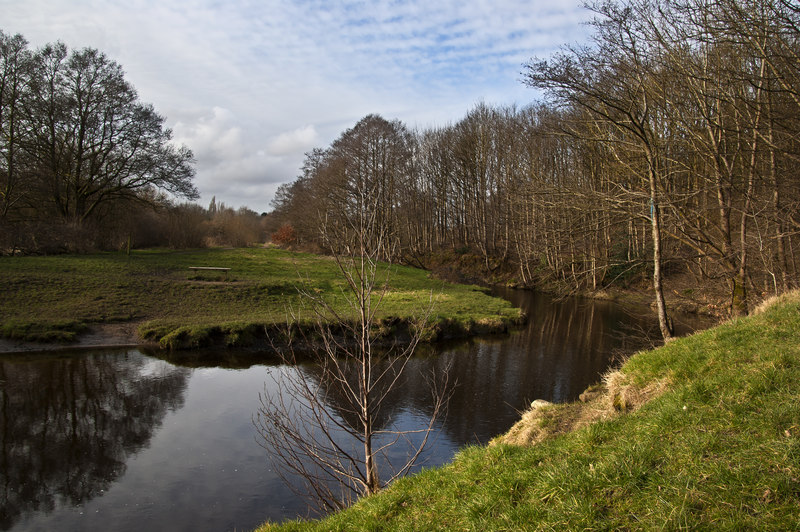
(665, 148)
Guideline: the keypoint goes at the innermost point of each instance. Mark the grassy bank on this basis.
(703, 433)
(56, 298)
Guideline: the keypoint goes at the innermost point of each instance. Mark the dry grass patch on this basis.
(792, 297)
(622, 395)
(614, 396)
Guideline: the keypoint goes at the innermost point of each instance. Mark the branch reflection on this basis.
(68, 424)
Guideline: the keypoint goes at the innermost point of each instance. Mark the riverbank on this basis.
(703, 433)
(153, 297)
(105, 335)
(684, 293)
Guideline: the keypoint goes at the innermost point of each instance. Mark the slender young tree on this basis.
(309, 425)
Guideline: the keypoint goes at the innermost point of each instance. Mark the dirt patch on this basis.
(99, 335)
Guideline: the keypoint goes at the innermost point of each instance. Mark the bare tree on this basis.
(618, 87)
(332, 430)
(14, 63)
(74, 137)
(92, 141)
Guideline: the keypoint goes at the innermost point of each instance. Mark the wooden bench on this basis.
(210, 268)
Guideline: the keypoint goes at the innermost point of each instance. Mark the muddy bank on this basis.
(98, 335)
(255, 336)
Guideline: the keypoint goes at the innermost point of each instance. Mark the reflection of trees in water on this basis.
(564, 348)
(397, 440)
(68, 424)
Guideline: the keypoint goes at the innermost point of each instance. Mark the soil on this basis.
(99, 335)
(684, 292)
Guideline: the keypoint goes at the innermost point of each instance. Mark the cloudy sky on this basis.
(251, 85)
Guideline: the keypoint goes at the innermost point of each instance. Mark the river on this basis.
(129, 440)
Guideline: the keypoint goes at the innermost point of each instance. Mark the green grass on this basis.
(56, 297)
(718, 450)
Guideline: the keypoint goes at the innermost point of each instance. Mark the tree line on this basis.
(79, 152)
(667, 145)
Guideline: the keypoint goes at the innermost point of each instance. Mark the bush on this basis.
(284, 236)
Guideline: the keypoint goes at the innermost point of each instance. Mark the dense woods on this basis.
(666, 147)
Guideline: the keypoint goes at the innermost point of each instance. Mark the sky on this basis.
(250, 86)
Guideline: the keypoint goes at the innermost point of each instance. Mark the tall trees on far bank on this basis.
(669, 145)
(75, 139)
(365, 172)
(15, 61)
(618, 94)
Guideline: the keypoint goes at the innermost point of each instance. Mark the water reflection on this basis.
(169, 443)
(69, 423)
(565, 346)
(409, 389)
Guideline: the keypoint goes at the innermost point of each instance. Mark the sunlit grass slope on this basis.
(56, 297)
(716, 447)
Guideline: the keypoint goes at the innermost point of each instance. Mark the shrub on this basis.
(284, 236)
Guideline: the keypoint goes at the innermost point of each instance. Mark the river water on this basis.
(129, 440)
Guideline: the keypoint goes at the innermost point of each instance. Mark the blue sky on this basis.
(250, 85)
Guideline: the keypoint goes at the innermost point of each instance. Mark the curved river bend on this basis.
(123, 440)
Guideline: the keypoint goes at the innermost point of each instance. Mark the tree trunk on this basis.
(664, 322)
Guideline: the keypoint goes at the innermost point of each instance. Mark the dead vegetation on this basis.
(614, 396)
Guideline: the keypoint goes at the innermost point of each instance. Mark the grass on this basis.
(57, 297)
(701, 434)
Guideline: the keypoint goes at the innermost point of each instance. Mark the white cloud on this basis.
(251, 86)
(215, 138)
(303, 138)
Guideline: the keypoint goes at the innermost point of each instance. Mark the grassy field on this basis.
(702, 434)
(55, 298)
